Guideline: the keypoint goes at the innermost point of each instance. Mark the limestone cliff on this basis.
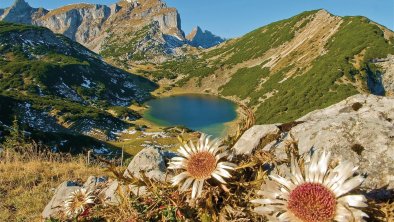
(132, 27)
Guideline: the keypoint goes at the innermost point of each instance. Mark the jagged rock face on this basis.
(81, 23)
(91, 24)
(21, 12)
(359, 129)
(204, 39)
(88, 23)
(388, 75)
(118, 25)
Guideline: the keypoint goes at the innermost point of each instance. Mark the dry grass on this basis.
(27, 186)
(26, 182)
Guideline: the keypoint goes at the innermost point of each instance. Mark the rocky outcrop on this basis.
(62, 192)
(359, 129)
(388, 74)
(91, 24)
(80, 22)
(254, 137)
(204, 39)
(150, 162)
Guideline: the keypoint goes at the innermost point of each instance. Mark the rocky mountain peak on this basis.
(95, 26)
(204, 39)
(21, 12)
(20, 4)
(194, 32)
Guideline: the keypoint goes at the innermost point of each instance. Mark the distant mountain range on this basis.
(128, 30)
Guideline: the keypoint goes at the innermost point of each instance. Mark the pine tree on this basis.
(16, 138)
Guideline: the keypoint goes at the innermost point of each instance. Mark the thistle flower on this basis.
(78, 201)
(200, 163)
(317, 196)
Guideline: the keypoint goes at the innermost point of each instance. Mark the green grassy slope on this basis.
(52, 84)
(317, 87)
(279, 97)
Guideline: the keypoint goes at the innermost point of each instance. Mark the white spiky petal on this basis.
(339, 181)
(206, 150)
(77, 202)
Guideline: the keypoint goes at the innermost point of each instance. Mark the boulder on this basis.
(359, 129)
(259, 135)
(151, 162)
(93, 182)
(62, 192)
(388, 74)
(112, 193)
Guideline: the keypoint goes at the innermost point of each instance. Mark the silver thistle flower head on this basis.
(317, 195)
(199, 163)
(78, 201)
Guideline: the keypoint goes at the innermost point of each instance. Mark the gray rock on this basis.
(359, 129)
(93, 182)
(62, 192)
(114, 191)
(388, 76)
(21, 12)
(204, 39)
(109, 193)
(150, 162)
(254, 137)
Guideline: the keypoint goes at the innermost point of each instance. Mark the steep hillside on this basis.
(53, 84)
(291, 67)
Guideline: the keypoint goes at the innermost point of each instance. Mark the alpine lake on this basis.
(204, 113)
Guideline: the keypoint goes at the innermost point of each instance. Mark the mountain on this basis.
(128, 30)
(54, 85)
(291, 67)
(21, 12)
(204, 39)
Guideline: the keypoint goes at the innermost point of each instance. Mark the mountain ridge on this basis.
(292, 66)
(93, 25)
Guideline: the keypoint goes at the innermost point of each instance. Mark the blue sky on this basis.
(232, 18)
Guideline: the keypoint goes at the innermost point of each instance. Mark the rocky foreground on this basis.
(359, 129)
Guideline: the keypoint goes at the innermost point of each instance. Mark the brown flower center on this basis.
(312, 202)
(201, 165)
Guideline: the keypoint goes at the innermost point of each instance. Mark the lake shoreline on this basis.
(161, 92)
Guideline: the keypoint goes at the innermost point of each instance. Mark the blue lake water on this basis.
(202, 113)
